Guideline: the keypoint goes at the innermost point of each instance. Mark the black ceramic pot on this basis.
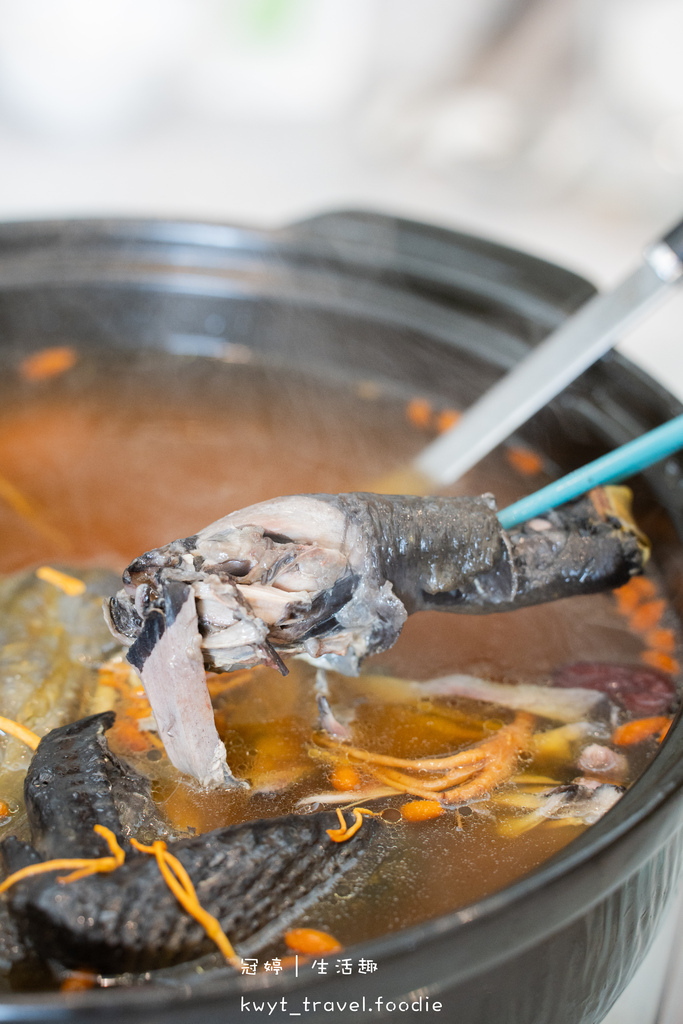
(446, 314)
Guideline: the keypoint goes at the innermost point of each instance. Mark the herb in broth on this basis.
(458, 760)
(334, 577)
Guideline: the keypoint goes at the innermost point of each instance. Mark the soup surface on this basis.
(111, 455)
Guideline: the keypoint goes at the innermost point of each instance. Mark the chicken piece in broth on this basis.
(335, 577)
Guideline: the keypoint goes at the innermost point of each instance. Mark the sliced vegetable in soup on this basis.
(241, 796)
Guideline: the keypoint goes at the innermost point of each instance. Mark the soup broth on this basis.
(116, 455)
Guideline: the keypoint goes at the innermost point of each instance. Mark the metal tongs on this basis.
(555, 363)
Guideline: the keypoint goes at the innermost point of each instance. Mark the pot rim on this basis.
(660, 784)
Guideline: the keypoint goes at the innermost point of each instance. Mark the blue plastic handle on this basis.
(617, 465)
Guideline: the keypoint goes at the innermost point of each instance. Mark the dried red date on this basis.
(637, 688)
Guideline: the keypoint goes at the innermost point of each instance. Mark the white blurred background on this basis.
(552, 125)
(555, 125)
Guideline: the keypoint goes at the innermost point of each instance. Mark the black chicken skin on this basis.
(334, 577)
(254, 878)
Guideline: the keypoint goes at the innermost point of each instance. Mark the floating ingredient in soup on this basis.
(458, 778)
(637, 688)
(251, 879)
(581, 802)
(478, 772)
(50, 646)
(642, 729)
(73, 447)
(335, 577)
(599, 761)
(151, 928)
(113, 911)
(568, 705)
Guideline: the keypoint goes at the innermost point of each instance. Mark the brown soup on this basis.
(110, 456)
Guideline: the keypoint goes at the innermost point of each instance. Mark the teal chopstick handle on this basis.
(622, 462)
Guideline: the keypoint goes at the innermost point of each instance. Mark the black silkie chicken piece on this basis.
(253, 877)
(335, 577)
